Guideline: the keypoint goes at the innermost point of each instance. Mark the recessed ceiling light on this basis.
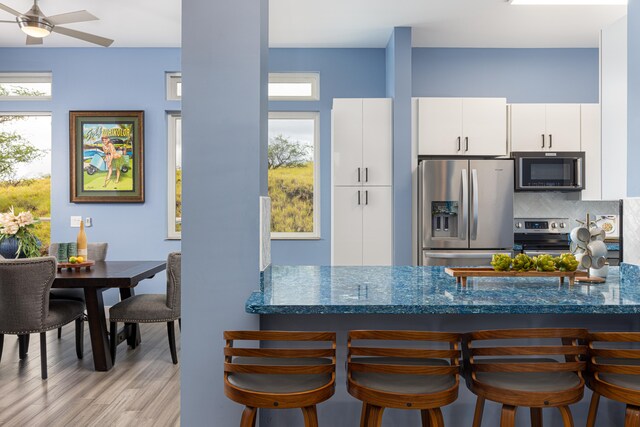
(569, 2)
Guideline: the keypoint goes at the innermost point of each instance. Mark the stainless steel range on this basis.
(541, 235)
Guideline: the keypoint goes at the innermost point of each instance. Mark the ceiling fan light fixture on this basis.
(34, 26)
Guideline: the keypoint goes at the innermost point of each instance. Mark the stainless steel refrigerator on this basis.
(465, 211)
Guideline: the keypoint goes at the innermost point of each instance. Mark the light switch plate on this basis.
(75, 221)
(88, 222)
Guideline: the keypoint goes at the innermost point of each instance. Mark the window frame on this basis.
(315, 116)
(173, 79)
(172, 118)
(312, 78)
(27, 77)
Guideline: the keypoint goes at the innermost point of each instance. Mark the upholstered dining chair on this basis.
(25, 307)
(95, 252)
(151, 308)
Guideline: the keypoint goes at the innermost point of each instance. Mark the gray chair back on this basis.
(174, 279)
(95, 251)
(24, 294)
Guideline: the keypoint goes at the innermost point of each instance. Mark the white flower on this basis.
(11, 229)
(25, 218)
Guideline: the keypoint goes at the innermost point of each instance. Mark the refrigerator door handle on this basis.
(463, 206)
(474, 195)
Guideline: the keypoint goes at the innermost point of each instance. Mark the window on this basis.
(25, 167)
(294, 86)
(293, 154)
(174, 86)
(25, 86)
(175, 176)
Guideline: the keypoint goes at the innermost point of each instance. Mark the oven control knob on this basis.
(563, 225)
(554, 225)
(518, 225)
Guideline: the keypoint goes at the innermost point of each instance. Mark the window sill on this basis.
(295, 237)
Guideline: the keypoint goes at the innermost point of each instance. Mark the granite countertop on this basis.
(429, 290)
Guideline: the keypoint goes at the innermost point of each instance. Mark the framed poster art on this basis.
(106, 156)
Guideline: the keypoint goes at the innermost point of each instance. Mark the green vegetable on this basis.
(566, 262)
(544, 263)
(522, 262)
(501, 262)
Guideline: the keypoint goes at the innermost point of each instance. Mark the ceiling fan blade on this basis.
(7, 22)
(91, 38)
(10, 10)
(33, 40)
(71, 17)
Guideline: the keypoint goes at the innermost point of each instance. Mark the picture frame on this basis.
(106, 156)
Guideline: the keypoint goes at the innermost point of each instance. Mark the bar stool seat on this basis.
(529, 381)
(404, 383)
(278, 383)
(277, 377)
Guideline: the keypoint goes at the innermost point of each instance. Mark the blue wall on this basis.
(81, 82)
(520, 75)
(344, 73)
(107, 79)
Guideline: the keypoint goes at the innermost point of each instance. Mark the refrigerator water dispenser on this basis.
(444, 219)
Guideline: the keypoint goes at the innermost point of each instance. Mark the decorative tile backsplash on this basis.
(562, 205)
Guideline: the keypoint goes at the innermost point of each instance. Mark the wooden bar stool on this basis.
(404, 378)
(514, 374)
(279, 378)
(614, 372)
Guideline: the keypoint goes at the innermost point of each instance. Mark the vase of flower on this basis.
(17, 239)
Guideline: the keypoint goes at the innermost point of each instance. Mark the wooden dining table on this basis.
(124, 275)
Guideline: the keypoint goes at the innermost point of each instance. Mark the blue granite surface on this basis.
(429, 290)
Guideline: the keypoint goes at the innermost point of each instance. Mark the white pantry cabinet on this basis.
(362, 225)
(362, 195)
(545, 127)
(362, 141)
(462, 126)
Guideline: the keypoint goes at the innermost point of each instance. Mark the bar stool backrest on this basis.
(312, 354)
(526, 350)
(614, 353)
(391, 351)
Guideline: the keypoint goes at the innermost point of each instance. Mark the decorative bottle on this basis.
(82, 241)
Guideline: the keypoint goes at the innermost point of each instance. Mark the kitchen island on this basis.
(426, 298)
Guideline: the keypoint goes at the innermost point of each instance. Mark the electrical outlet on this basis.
(75, 221)
(88, 221)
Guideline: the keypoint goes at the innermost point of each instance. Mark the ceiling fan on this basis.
(36, 25)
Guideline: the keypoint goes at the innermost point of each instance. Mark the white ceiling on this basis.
(341, 23)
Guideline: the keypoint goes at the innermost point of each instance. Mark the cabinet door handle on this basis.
(358, 174)
(366, 197)
(543, 140)
(366, 174)
(358, 196)
(459, 143)
(466, 143)
(550, 140)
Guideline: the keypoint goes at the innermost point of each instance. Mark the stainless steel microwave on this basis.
(549, 171)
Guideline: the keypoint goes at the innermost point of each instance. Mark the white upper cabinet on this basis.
(347, 141)
(462, 126)
(590, 144)
(484, 126)
(362, 141)
(545, 127)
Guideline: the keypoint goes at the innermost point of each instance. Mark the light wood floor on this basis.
(142, 389)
